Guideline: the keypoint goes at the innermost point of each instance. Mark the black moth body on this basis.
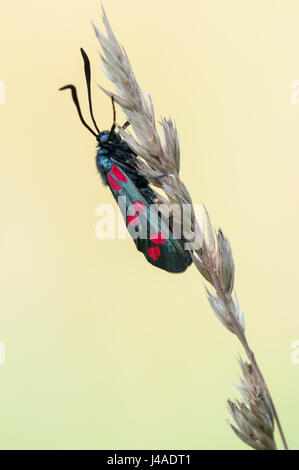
(114, 147)
(116, 164)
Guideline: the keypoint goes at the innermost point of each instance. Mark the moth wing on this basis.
(150, 232)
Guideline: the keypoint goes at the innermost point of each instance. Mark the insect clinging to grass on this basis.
(116, 164)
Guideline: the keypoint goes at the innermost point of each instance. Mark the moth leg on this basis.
(153, 177)
(127, 166)
(114, 119)
(125, 125)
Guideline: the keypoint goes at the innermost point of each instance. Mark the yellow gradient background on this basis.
(102, 350)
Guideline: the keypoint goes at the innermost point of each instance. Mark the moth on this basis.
(116, 163)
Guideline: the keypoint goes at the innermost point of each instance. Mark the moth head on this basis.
(106, 137)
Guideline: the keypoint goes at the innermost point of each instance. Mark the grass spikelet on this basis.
(211, 251)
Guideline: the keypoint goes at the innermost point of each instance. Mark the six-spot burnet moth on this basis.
(116, 164)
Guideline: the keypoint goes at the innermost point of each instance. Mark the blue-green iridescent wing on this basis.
(148, 229)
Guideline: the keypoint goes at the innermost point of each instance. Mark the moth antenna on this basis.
(88, 79)
(76, 101)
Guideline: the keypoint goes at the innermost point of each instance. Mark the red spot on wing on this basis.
(113, 183)
(154, 252)
(132, 220)
(158, 238)
(138, 206)
(118, 173)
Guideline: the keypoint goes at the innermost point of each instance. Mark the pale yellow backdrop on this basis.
(103, 350)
